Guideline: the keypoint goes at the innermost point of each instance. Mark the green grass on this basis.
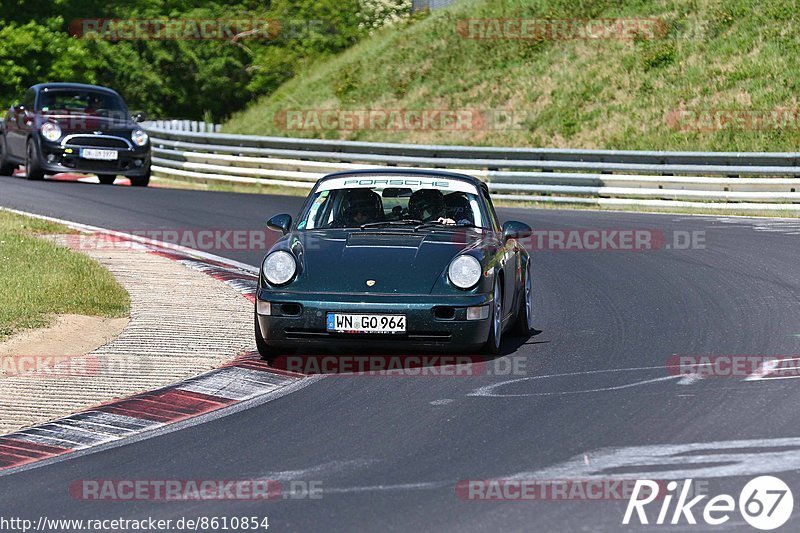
(39, 280)
(715, 54)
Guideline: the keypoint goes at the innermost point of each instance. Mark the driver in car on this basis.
(363, 207)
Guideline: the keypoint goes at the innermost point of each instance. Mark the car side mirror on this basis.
(516, 230)
(280, 223)
(139, 117)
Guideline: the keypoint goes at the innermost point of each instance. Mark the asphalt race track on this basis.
(389, 452)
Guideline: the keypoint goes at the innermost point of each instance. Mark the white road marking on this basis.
(685, 379)
(346, 467)
(489, 390)
(770, 366)
(694, 460)
(690, 379)
(374, 488)
(444, 401)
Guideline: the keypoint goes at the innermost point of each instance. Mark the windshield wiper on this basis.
(435, 223)
(405, 222)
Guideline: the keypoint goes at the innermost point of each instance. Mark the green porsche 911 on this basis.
(394, 258)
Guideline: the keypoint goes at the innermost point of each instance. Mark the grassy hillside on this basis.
(644, 93)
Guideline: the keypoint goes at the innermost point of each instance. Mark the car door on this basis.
(11, 130)
(20, 122)
(507, 254)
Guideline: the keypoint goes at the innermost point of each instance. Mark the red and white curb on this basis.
(242, 380)
(242, 281)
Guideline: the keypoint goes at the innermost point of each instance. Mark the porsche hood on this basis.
(402, 262)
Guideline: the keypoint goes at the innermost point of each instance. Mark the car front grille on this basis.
(96, 141)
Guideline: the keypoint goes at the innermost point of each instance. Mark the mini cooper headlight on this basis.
(51, 131)
(464, 272)
(139, 137)
(279, 267)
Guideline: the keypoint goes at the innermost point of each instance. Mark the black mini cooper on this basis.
(71, 127)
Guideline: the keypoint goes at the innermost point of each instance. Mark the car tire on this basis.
(33, 170)
(267, 352)
(140, 181)
(106, 179)
(492, 346)
(524, 322)
(6, 168)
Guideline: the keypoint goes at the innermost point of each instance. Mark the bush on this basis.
(179, 78)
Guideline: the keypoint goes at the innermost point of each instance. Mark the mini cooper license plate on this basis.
(103, 155)
(357, 323)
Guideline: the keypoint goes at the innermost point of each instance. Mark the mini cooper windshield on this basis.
(392, 201)
(80, 102)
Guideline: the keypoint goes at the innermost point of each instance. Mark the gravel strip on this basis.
(183, 323)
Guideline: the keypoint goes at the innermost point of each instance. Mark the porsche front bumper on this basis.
(434, 322)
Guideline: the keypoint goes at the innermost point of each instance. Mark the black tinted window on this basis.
(80, 101)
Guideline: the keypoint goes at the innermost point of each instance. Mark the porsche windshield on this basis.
(351, 202)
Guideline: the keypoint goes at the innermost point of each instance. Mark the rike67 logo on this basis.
(765, 503)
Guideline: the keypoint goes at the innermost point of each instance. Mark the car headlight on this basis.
(139, 137)
(279, 267)
(464, 272)
(51, 131)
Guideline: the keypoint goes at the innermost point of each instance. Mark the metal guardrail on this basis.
(742, 180)
(184, 125)
(417, 5)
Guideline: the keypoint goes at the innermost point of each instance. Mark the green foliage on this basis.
(658, 56)
(192, 78)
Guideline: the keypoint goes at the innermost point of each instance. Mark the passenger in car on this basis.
(363, 207)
